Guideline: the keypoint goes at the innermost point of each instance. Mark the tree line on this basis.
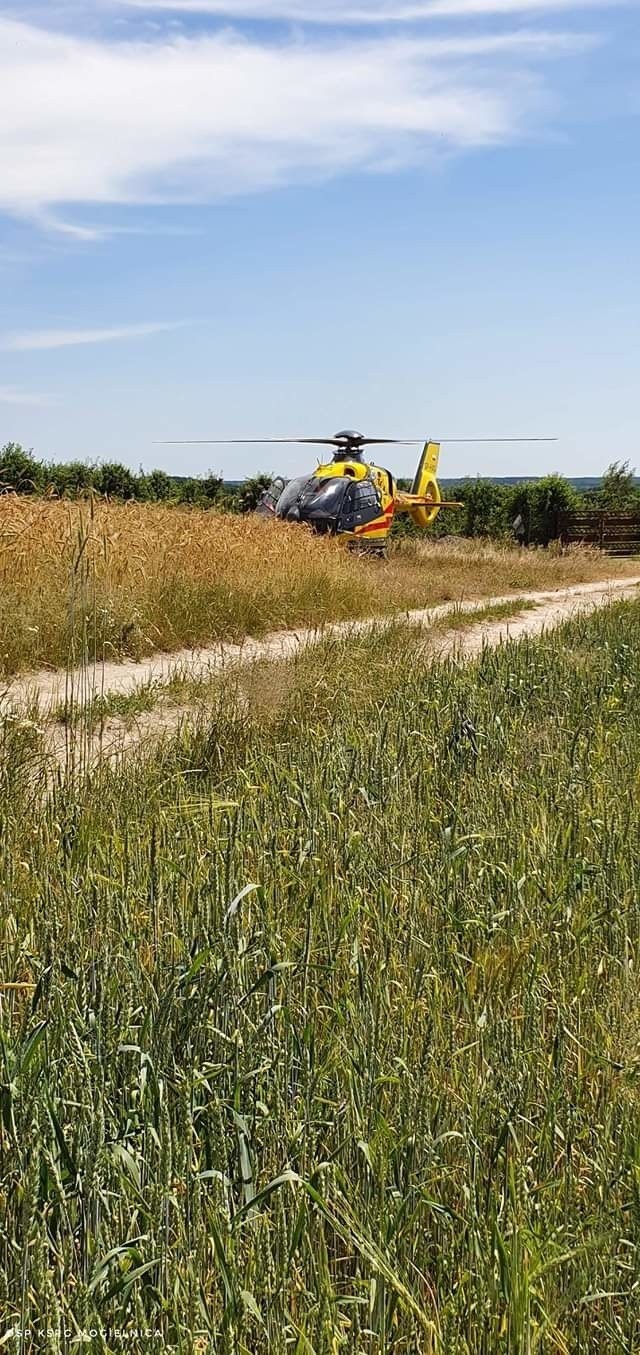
(535, 507)
(489, 508)
(23, 473)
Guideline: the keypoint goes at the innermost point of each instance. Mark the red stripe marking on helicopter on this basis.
(378, 524)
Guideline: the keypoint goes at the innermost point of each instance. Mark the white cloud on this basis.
(175, 118)
(9, 396)
(34, 340)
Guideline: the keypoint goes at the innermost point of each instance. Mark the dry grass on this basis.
(118, 580)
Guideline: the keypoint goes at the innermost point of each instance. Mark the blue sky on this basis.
(273, 217)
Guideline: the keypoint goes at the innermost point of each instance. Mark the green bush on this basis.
(158, 486)
(619, 492)
(251, 491)
(116, 481)
(71, 478)
(540, 504)
(19, 471)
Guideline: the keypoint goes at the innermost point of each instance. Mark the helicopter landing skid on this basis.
(377, 549)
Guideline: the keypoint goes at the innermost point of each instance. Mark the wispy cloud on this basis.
(41, 339)
(91, 233)
(51, 222)
(192, 118)
(9, 396)
(335, 13)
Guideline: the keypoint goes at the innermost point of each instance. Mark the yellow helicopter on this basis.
(354, 498)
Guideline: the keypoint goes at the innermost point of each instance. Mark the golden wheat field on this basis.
(85, 580)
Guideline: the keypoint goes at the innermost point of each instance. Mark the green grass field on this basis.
(328, 1032)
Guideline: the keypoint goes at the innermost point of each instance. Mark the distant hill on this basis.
(580, 482)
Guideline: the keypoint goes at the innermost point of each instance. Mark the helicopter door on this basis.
(361, 505)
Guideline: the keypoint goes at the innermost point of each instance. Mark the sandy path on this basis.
(77, 750)
(50, 689)
(548, 610)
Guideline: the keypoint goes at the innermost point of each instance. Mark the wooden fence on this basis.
(614, 533)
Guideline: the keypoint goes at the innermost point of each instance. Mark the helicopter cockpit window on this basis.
(268, 502)
(290, 495)
(324, 496)
(329, 504)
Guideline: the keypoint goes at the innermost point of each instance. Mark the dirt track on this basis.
(103, 679)
(547, 610)
(116, 737)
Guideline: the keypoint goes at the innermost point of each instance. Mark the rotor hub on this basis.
(349, 445)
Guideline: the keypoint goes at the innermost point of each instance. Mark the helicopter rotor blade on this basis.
(229, 442)
(413, 442)
(316, 442)
(331, 442)
(450, 440)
